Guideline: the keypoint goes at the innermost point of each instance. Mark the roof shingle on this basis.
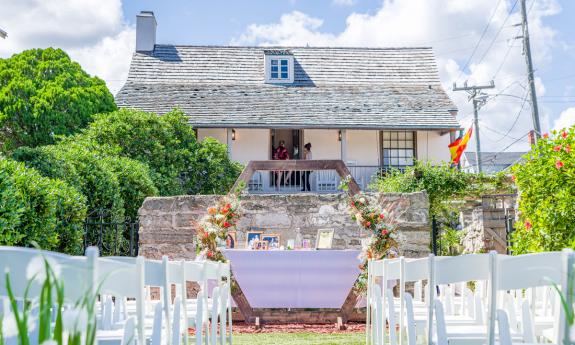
(333, 88)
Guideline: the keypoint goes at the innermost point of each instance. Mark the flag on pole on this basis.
(458, 146)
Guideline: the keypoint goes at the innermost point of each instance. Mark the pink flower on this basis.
(384, 232)
(557, 148)
(367, 224)
(513, 178)
(528, 225)
(210, 254)
(381, 216)
(564, 134)
(559, 164)
(567, 148)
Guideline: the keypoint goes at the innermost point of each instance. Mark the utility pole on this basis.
(479, 99)
(528, 61)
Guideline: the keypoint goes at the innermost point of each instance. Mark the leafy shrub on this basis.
(116, 184)
(546, 183)
(44, 94)
(39, 209)
(167, 144)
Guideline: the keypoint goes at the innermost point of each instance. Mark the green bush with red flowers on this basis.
(546, 185)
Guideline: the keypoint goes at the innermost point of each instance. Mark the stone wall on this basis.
(166, 223)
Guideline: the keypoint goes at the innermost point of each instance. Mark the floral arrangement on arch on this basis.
(212, 229)
(380, 226)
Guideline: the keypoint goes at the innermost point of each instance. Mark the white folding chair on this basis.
(451, 270)
(528, 271)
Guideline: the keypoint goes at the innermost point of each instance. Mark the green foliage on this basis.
(546, 183)
(167, 144)
(39, 209)
(109, 182)
(44, 94)
(442, 183)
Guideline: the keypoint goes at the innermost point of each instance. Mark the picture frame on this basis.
(274, 240)
(324, 239)
(260, 245)
(252, 236)
(231, 240)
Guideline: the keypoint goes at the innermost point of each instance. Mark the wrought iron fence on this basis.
(118, 237)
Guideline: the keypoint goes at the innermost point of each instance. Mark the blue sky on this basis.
(100, 34)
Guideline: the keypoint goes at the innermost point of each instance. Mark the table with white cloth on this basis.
(295, 278)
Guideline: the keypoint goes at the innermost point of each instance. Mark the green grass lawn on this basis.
(299, 338)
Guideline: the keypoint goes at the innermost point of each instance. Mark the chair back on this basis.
(75, 272)
(462, 268)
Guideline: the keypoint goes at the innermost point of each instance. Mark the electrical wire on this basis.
(480, 39)
(498, 32)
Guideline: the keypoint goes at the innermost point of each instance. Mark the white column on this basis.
(229, 142)
(343, 145)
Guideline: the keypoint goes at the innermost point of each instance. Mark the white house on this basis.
(373, 108)
(491, 162)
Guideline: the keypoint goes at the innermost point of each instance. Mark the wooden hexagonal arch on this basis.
(297, 165)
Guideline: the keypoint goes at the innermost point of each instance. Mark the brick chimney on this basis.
(145, 31)
(531, 137)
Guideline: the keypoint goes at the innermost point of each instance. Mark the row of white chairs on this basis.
(469, 299)
(126, 313)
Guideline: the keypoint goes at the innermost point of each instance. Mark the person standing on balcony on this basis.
(306, 156)
(282, 154)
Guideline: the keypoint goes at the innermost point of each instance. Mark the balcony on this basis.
(320, 181)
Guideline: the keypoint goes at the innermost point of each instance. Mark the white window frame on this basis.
(268, 69)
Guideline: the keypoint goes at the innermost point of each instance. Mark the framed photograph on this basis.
(253, 236)
(260, 245)
(324, 239)
(231, 240)
(273, 240)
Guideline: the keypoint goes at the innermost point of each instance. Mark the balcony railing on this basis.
(320, 181)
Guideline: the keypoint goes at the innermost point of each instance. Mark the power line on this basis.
(498, 32)
(492, 158)
(480, 39)
(479, 99)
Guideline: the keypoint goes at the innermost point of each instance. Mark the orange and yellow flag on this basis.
(458, 146)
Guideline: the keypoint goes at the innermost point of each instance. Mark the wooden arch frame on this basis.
(297, 165)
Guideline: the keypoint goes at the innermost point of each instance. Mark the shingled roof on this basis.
(333, 88)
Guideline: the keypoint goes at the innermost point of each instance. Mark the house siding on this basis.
(362, 147)
(251, 144)
(432, 147)
(324, 143)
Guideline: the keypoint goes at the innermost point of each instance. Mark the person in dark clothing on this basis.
(307, 156)
(281, 153)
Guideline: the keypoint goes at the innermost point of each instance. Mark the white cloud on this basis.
(343, 2)
(91, 32)
(566, 119)
(452, 28)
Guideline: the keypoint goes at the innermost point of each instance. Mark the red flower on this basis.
(557, 148)
(528, 225)
(381, 216)
(513, 178)
(564, 134)
(384, 232)
(227, 225)
(367, 224)
(559, 164)
(546, 135)
(567, 148)
(232, 214)
(210, 254)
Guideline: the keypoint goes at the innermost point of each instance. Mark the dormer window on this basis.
(279, 68)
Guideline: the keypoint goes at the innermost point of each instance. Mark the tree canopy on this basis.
(179, 164)
(44, 94)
